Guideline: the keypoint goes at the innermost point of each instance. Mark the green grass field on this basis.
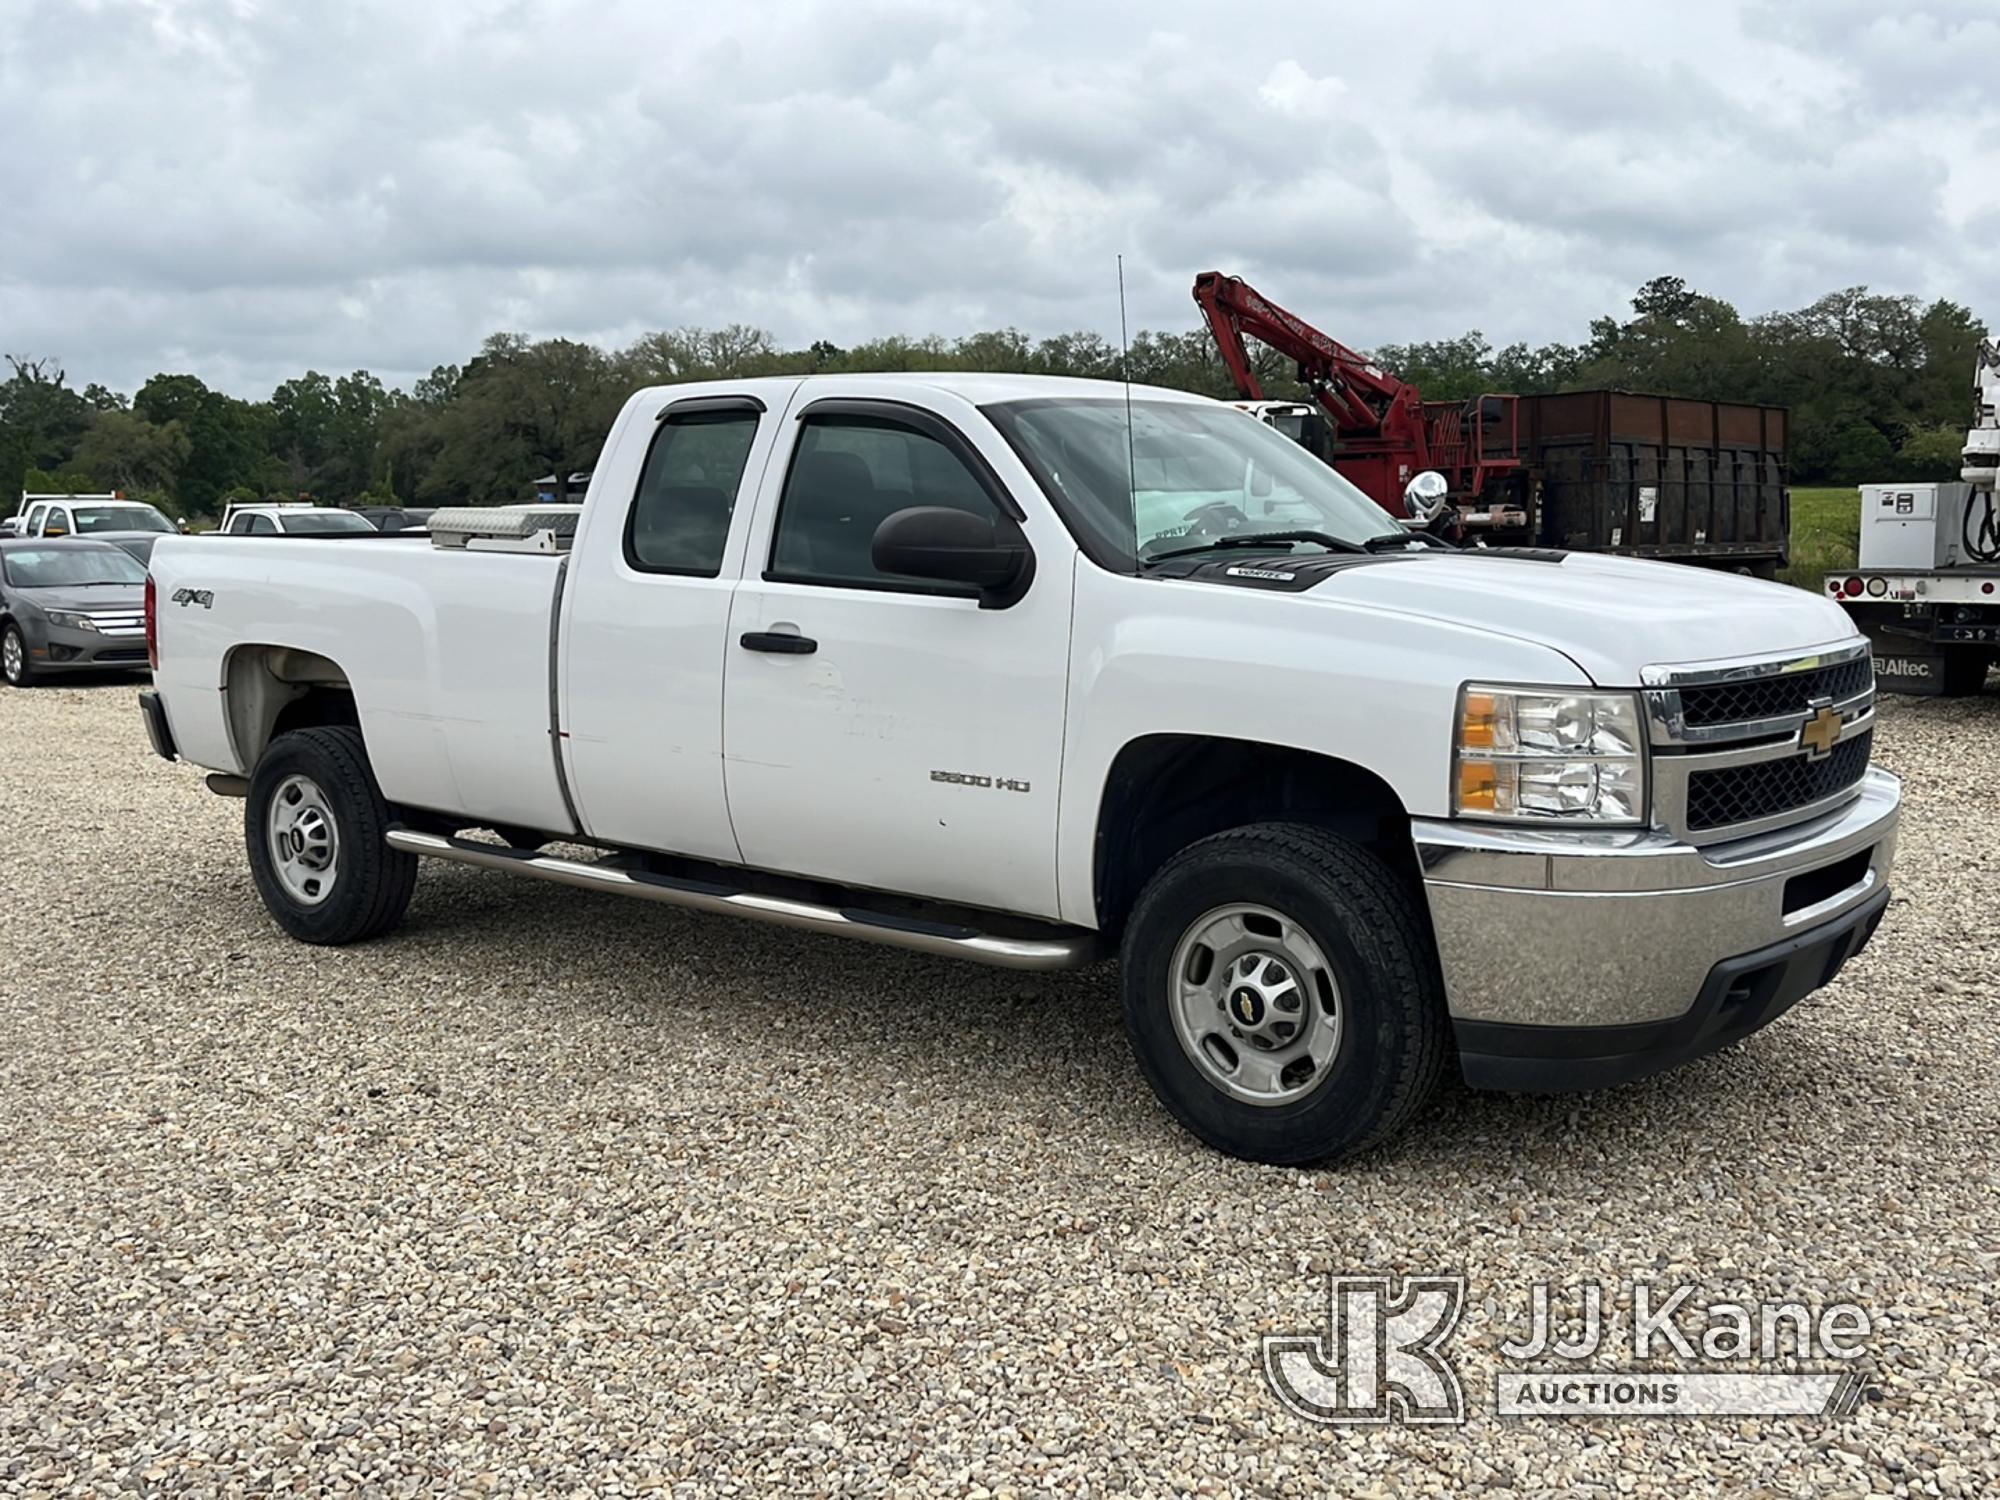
(1826, 530)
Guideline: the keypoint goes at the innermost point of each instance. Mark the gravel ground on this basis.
(551, 1194)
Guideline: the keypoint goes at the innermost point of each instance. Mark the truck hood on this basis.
(1612, 616)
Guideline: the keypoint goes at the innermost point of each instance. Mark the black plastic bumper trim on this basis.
(154, 712)
(1740, 995)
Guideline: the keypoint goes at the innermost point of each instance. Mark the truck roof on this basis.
(979, 388)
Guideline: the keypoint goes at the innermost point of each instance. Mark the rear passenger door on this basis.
(644, 628)
(887, 731)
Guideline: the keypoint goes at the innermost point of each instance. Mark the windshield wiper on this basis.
(1260, 539)
(1390, 541)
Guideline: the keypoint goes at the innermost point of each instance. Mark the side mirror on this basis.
(1424, 496)
(1260, 482)
(954, 546)
(11, 526)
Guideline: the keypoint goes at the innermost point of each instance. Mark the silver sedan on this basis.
(69, 606)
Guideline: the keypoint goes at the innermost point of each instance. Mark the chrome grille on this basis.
(1765, 788)
(1729, 755)
(1770, 697)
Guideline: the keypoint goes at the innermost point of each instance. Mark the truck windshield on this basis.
(69, 567)
(91, 518)
(1186, 471)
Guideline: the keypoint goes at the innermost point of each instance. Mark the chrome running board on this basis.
(1066, 948)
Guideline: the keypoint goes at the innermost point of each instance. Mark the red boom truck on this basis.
(1594, 471)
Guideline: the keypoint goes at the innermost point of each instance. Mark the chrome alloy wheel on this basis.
(1255, 1004)
(304, 840)
(11, 658)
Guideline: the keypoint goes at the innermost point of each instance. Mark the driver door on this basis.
(886, 731)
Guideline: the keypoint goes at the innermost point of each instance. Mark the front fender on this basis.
(1306, 672)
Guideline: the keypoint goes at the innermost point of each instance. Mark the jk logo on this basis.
(1378, 1360)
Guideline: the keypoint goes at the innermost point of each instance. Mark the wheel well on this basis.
(1166, 791)
(275, 689)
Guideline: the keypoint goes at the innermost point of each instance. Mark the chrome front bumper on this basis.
(1624, 929)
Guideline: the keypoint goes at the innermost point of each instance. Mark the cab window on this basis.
(849, 475)
(679, 521)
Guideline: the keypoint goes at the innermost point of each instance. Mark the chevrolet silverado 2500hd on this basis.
(1031, 670)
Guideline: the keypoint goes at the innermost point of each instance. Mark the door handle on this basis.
(782, 642)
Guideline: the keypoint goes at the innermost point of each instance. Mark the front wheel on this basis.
(313, 826)
(14, 663)
(1281, 996)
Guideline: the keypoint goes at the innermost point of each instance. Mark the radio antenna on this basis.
(1131, 444)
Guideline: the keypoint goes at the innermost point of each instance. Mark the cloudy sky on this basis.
(244, 188)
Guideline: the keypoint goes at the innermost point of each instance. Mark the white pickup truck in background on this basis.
(1032, 671)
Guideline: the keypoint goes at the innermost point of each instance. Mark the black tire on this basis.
(1393, 1038)
(371, 883)
(24, 675)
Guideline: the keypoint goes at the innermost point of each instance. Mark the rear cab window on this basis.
(679, 520)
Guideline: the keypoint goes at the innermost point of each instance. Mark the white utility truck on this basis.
(1926, 585)
(1033, 671)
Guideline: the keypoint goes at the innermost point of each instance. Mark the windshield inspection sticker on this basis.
(1381, 1355)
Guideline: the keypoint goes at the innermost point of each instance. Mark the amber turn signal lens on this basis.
(1478, 786)
(1478, 723)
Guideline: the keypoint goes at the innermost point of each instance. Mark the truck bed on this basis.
(448, 661)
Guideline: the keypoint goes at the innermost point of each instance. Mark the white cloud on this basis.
(244, 188)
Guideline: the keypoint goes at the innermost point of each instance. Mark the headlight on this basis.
(63, 619)
(1527, 754)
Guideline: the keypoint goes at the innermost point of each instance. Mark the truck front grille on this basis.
(1774, 697)
(1764, 789)
(1729, 740)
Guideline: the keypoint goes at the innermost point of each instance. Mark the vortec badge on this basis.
(1260, 573)
(1819, 733)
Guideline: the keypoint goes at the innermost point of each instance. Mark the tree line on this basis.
(1878, 386)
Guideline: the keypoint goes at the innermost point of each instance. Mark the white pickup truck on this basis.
(1033, 671)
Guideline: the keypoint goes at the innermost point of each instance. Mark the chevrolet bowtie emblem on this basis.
(1819, 733)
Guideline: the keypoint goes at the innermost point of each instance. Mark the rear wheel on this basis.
(1281, 996)
(313, 826)
(14, 663)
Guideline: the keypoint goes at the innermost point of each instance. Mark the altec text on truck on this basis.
(1008, 669)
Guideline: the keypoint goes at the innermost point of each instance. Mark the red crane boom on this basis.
(1387, 433)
